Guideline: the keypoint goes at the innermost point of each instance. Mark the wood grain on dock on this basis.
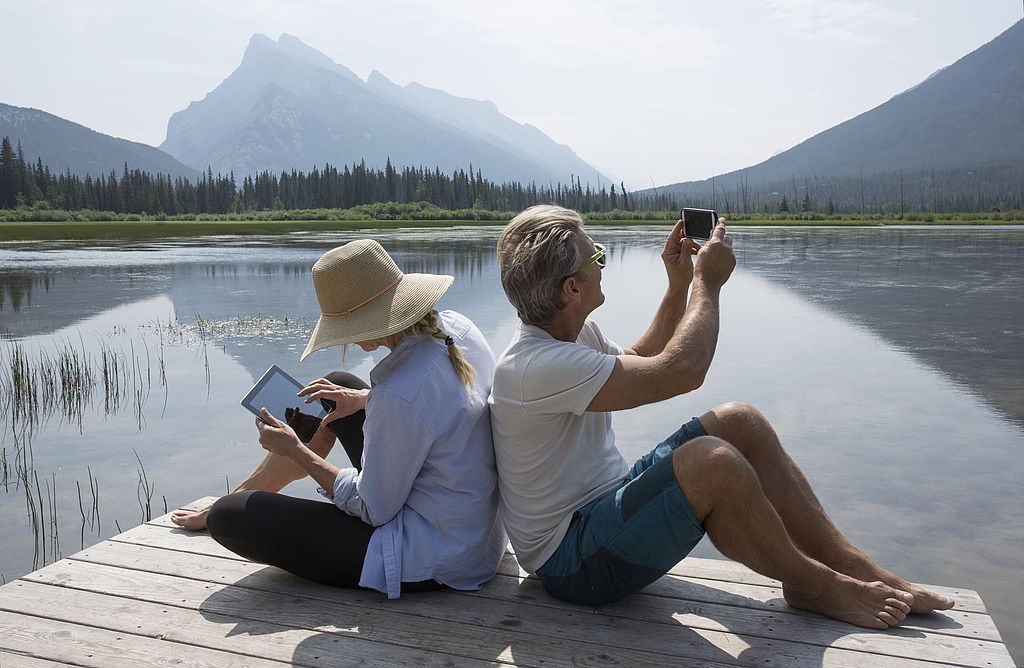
(160, 595)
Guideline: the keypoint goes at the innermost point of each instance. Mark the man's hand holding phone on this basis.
(678, 257)
(698, 223)
(715, 261)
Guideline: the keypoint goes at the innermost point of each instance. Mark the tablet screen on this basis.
(276, 391)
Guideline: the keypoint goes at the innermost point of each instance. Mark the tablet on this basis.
(276, 391)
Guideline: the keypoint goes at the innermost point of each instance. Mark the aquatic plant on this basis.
(67, 379)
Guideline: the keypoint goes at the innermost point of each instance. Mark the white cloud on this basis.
(862, 22)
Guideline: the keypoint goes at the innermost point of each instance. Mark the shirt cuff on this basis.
(344, 487)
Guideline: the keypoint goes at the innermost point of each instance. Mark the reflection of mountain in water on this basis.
(949, 297)
(17, 290)
(42, 300)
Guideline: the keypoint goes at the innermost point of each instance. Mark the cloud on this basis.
(857, 22)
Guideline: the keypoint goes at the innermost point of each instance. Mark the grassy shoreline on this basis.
(139, 230)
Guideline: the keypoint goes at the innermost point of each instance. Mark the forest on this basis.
(28, 185)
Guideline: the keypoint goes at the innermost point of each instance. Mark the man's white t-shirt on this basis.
(553, 456)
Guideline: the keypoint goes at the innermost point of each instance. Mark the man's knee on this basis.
(346, 379)
(740, 413)
(705, 469)
(739, 423)
(706, 456)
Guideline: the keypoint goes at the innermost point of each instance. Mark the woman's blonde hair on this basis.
(428, 326)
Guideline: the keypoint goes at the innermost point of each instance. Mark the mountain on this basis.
(288, 106)
(64, 145)
(969, 115)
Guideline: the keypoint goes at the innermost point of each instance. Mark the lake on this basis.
(890, 360)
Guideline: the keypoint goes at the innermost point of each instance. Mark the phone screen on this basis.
(698, 223)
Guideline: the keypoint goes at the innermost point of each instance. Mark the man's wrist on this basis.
(677, 287)
(702, 285)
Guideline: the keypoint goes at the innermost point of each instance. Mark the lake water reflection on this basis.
(891, 362)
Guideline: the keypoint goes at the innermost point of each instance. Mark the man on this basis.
(592, 528)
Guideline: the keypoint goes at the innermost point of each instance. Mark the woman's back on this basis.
(428, 463)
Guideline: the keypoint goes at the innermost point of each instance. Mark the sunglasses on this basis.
(597, 258)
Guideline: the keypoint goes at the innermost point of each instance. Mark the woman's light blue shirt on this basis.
(429, 482)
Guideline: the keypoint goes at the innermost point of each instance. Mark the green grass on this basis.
(147, 230)
(143, 230)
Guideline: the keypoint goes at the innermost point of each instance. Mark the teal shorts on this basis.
(626, 539)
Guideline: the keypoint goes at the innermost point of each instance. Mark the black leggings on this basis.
(349, 429)
(312, 539)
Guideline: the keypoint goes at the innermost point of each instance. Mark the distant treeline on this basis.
(978, 189)
(23, 184)
(26, 185)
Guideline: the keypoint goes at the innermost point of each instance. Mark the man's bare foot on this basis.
(873, 605)
(193, 520)
(860, 566)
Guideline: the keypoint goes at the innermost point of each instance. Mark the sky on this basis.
(648, 92)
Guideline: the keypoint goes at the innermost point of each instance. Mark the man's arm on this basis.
(679, 267)
(685, 359)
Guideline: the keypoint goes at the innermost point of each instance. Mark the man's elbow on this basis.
(690, 378)
(691, 382)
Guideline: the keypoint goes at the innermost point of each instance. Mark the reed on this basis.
(70, 378)
(144, 491)
(94, 511)
(51, 499)
(39, 529)
(66, 381)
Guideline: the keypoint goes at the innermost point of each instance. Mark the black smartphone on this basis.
(698, 223)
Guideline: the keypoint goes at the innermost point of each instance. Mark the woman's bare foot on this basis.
(193, 520)
(860, 566)
(873, 605)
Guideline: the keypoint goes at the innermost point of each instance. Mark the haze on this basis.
(656, 92)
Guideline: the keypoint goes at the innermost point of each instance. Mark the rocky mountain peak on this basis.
(289, 106)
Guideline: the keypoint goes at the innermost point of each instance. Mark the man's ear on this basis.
(570, 290)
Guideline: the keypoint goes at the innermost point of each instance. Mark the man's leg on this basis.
(726, 497)
(805, 520)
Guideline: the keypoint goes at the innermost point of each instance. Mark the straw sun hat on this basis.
(363, 295)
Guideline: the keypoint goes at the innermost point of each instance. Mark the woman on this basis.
(418, 509)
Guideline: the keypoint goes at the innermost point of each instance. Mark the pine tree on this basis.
(9, 177)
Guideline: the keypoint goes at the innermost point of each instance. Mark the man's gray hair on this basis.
(536, 253)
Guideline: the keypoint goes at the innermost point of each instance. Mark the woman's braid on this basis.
(427, 326)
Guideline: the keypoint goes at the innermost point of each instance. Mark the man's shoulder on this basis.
(527, 344)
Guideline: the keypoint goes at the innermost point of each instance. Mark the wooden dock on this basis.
(158, 595)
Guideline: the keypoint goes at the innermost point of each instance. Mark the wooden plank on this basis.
(690, 567)
(240, 636)
(966, 601)
(714, 592)
(9, 660)
(732, 576)
(201, 502)
(54, 640)
(731, 604)
(720, 569)
(796, 627)
(516, 610)
(459, 633)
